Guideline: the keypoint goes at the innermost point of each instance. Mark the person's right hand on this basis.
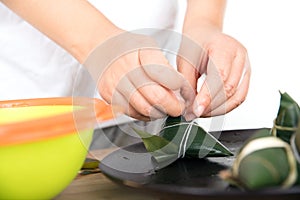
(129, 68)
(132, 72)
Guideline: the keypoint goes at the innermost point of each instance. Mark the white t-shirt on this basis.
(33, 66)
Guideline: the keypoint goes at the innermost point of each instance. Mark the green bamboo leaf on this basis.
(268, 161)
(162, 150)
(90, 163)
(265, 168)
(180, 138)
(199, 143)
(265, 132)
(287, 118)
(264, 161)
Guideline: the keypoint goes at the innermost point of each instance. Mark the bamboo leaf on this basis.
(268, 161)
(199, 143)
(179, 138)
(264, 161)
(265, 168)
(162, 150)
(287, 118)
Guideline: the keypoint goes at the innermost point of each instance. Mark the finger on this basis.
(190, 73)
(162, 99)
(212, 84)
(188, 94)
(158, 96)
(238, 98)
(136, 99)
(120, 100)
(157, 67)
(192, 60)
(189, 87)
(189, 116)
(231, 81)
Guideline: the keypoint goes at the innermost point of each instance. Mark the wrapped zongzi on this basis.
(287, 118)
(270, 158)
(264, 161)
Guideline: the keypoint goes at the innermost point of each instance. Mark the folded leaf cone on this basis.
(199, 143)
(163, 151)
(179, 138)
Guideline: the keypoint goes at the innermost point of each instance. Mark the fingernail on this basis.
(189, 116)
(198, 109)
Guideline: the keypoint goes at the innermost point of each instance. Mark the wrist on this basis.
(202, 32)
(203, 22)
(204, 18)
(81, 47)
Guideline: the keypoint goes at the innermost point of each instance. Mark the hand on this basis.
(133, 73)
(225, 63)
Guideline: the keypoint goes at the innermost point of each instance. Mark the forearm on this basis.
(73, 24)
(205, 13)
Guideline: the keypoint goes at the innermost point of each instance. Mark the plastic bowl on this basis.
(43, 144)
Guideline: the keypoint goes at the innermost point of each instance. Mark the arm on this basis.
(134, 79)
(223, 60)
(205, 13)
(55, 18)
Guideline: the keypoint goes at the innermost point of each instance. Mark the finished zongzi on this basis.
(270, 158)
(287, 118)
(264, 161)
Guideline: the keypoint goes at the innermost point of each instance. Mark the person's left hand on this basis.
(225, 63)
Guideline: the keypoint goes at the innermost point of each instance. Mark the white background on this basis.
(269, 29)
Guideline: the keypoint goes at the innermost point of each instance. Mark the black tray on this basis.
(194, 178)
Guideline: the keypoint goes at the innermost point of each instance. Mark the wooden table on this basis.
(97, 186)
